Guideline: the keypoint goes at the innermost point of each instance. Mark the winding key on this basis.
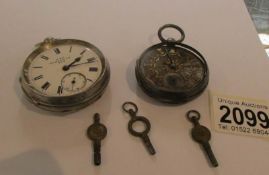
(202, 135)
(132, 111)
(97, 132)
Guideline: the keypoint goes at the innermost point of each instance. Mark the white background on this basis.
(37, 142)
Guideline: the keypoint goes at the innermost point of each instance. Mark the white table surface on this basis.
(37, 142)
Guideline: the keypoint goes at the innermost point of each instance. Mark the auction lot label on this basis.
(238, 115)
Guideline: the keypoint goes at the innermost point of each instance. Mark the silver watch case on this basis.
(65, 103)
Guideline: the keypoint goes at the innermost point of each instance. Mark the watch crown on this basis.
(171, 40)
(46, 43)
(48, 40)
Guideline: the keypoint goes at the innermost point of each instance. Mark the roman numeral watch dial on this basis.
(172, 72)
(64, 74)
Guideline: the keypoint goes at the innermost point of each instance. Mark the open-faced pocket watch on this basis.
(171, 71)
(64, 74)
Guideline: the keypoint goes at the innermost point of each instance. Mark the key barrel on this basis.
(148, 144)
(210, 154)
(97, 152)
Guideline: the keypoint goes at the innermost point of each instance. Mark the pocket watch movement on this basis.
(64, 74)
(172, 72)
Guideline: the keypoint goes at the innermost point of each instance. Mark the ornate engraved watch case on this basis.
(64, 74)
(172, 72)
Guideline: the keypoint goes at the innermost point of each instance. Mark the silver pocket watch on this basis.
(64, 74)
(172, 72)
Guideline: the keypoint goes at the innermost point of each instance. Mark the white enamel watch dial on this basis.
(47, 73)
(62, 75)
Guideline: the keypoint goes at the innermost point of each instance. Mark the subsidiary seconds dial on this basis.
(73, 82)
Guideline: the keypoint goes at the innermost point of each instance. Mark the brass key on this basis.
(202, 135)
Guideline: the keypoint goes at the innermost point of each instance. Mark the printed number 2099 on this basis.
(238, 116)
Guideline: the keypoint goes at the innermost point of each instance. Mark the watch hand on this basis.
(171, 61)
(73, 82)
(67, 67)
(90, 60)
